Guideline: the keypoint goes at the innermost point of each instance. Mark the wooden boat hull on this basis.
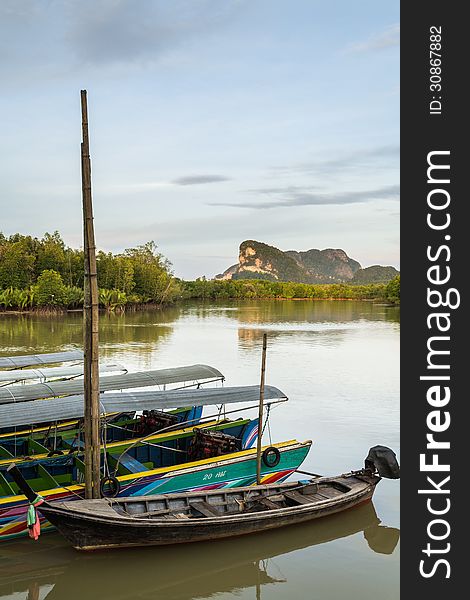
(93, 530)
(237, 469)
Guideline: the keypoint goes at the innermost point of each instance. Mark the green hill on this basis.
(257, 260)
(374, 274)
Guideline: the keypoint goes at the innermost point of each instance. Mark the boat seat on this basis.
(263, 503)
(330, 492)
(267, 503)
(130, 463)
(206, 509)
(297, 498)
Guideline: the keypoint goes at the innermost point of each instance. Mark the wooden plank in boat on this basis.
(330, 492)
(151, 513)
(310, 488)
(268, 503)
(92, 508)
(298, 498)
(206, 509)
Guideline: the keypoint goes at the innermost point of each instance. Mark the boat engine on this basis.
(207, 444)
(383, 460)
(154, 420)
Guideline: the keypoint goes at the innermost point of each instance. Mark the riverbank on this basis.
(261, 289)
(24, 301)
(71, 299)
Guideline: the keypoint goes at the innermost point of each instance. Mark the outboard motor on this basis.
(383, 461)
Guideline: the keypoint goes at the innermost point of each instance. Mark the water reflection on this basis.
(118, 332)
(55, 571)
(338, 363)
(295, 311)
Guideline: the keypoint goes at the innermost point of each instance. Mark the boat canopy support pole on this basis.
(260, 412)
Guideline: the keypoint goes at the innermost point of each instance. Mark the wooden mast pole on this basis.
(90, 322)
(260, 411)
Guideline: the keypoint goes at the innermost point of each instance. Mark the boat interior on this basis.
(159, 450)
(222, 503)
(52, 440)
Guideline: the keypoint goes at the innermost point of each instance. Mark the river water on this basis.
(338, 362)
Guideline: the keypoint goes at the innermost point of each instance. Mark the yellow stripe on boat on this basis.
(168, 436)
(195, 464)
(33, 430)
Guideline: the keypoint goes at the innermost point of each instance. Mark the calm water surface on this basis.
(338, 362)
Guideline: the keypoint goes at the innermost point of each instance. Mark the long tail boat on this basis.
(46, 442)
(164, 462)
(210, 515)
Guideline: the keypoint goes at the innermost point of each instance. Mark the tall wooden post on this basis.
(260, 411)
(90, 323)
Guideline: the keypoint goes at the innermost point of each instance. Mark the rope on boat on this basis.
(266, 423)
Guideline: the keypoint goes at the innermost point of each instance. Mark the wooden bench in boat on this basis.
(206, 509)
(297, 498)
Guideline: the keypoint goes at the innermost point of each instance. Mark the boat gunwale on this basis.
(123, 520)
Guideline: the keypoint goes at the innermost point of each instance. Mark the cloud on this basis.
(282, 190)
(114, 31)
(390, 192)
(101, 36)
(199, 179)
(384, 156)
(385, 39)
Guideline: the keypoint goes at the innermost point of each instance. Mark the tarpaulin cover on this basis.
(29, 360)
(59, 409)
(22, 393)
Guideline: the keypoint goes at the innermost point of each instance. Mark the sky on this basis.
(211, 122)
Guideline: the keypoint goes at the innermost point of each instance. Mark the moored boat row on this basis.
(145, 450)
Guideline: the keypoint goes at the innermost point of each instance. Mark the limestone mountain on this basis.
(374, 274)
(261, 261)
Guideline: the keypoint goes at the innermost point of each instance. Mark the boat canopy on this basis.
(29, 360)
(51, 389)
(72, 407)
(54, 372)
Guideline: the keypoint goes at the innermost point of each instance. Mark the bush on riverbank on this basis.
(45, 274)
(260, 288)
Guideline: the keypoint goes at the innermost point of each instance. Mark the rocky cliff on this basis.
(261, 261)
